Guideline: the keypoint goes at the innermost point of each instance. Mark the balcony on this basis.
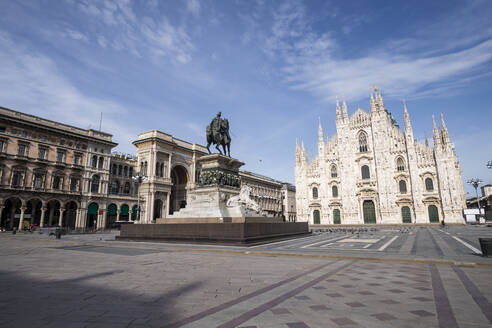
(361, 183)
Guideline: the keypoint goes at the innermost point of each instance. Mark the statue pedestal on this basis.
(219, 182)
(217, 211)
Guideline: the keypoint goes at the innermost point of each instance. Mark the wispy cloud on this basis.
(193, 6)
(315, 62)
(140, 34)
(31, 82)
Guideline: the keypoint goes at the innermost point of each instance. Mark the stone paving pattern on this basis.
(91, 281)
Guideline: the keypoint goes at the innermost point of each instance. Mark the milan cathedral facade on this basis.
(372, 172)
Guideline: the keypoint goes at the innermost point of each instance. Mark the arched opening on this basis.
(125, 171)
(333, 170)
(95, 183)
(120, 169)
(400, 164)
(406, 217)
(403, 186)
(179, 178)
(429, 184)
(94, 161)
(32, 215)
(369, 211)
(11, 213)
(157, 208)
(115, 187)
(336, 216)
(364, 171)
(53, 213)
(315, 192)
(126, 189)
(111, 215)
(134, 212)
(316, 217)
(157, 169)
(92, 211)
(124, 212)
(433, 214)
(362, 142)
(114, 169)
(70, 215)
(101, 163)
(334, 191)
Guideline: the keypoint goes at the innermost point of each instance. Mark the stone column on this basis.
(60, 219)
(1, 211)
(50, 216)
(12, 214)
(21, 220)
(117, 215)
(77, 218)
(41, 221)
(168, 204)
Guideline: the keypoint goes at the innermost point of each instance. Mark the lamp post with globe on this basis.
(475, 183)
(489, 164)
(138, 179)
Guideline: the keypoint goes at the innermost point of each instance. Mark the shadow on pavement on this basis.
(28, 302)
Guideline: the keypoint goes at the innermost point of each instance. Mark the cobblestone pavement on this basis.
(91, 281)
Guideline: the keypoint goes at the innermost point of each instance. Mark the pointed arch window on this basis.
(429, 184)
(362, 142)
(403, 186)
(400, 164)
(315, 192)
(334, 172)
(334, 191)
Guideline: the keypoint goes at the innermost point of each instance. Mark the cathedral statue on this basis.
(218, 134)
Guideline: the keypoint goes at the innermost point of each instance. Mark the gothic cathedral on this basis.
(372, 172)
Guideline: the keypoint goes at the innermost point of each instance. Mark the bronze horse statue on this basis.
(218, 134)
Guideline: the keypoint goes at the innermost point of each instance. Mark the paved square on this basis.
(90, 281)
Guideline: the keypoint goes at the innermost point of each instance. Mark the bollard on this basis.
(486, 246)
(58, 233)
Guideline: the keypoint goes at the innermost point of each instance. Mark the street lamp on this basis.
(475, 183)
(138, 179)
(489, 164)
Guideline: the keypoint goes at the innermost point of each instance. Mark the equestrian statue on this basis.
(218, 134)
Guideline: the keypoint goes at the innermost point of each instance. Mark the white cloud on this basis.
(193, 6)
(30, 82)
(141, 35)
(76, 35)
(311, 61)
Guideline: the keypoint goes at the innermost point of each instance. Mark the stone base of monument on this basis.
(245, 233)
(217, 211)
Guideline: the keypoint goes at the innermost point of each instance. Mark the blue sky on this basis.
(271, 67)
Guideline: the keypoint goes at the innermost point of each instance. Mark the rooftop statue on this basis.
(218, 134)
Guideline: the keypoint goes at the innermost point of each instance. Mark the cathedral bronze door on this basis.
(405, 214)
(433, 214)
(336, 216)
(316, 218)
(369, 211)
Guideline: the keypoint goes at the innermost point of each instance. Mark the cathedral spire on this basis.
(339, 115)
(444, 130)
(437, 139)
(373, 104)
(320, 131)
(408, 125)
(344, 108)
